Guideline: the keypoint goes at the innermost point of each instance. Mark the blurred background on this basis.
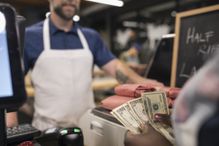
(149, 18)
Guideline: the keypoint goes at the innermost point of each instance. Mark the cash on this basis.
(141, 110)
(138, 109)
(156, 102)
(125, 116)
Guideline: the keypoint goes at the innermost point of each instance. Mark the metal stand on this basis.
(3, 136)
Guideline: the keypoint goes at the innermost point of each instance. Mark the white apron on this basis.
(62, 81)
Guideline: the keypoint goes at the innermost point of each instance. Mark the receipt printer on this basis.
(62, 137)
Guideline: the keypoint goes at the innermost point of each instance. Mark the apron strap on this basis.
(46, 36)
(83, 40)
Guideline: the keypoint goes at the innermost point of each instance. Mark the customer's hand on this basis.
(164, 118)
(149, 137)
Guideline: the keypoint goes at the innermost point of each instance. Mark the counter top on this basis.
(105, 113)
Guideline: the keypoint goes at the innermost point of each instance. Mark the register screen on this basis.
(5, 73)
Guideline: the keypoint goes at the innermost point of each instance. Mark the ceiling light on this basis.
(76, 18)
(117, 3)
(130, 24)
(168, 35)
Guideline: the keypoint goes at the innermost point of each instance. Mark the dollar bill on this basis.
(129, 109)
(138, 109)
(124, 123)
(127, 119)
(121, 121)
(155, 102)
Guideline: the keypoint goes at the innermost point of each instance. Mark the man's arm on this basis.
(124, 74)
(11, 119)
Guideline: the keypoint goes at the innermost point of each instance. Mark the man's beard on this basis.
(58, 10)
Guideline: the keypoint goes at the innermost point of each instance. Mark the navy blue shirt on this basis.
(33, 45)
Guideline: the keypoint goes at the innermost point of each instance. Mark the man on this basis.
(61, 55)
(131, 54)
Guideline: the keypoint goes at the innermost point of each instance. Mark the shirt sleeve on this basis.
(32, 47)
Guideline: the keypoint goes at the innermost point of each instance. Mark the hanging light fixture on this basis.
(117, 3)
(76, 18)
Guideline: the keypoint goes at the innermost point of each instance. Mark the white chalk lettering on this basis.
(208, 35)
(197, 37)
(207, 50)
(190, 35)
(187, 74)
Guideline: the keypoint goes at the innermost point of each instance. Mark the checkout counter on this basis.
(99, 127)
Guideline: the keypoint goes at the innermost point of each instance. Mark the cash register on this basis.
(13, 95)
(12, 91)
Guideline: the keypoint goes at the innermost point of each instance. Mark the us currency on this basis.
(120, 120)
(155, 102)
(138, 109)
(125, 123)
(129, 109)
(127, 119)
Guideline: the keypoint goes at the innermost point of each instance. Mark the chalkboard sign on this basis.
(197, 38)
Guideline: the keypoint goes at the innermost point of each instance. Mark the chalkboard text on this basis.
(194, 36)
(186, 72)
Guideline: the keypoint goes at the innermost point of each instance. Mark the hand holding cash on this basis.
(149, 137)
(146, 109)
